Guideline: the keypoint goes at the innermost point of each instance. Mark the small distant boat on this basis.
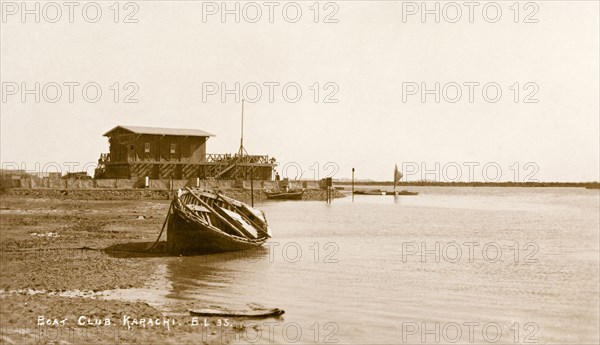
(397, 176)
(369, 192)
(405, 192)
(383, 192)
(203, 221)
(291, 194)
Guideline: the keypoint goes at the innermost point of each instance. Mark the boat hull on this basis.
(188, 236)
(256, 313)
(403, 192)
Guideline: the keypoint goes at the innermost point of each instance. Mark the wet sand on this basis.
(54, 265)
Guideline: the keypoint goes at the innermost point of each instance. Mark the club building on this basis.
(169, 153)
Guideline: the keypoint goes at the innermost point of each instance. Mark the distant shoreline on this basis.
(588, 185)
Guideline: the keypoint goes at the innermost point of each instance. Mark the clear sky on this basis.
(373, 58)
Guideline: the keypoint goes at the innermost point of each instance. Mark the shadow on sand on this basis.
(137, 250)
(147, 250)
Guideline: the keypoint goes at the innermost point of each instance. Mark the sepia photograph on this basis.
(299, 172)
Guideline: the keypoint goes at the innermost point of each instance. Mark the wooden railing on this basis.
(104, 157)
(219, 158)
(230, 159)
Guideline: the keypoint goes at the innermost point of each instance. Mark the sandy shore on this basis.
(54, 263)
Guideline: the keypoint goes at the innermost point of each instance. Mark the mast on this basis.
(242, 131)
(242, 150)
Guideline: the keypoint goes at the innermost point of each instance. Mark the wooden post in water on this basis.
(353, 184)
(329, 186)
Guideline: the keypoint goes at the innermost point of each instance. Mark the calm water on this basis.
(513, 264)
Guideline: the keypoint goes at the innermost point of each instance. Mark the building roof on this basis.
(162, 131)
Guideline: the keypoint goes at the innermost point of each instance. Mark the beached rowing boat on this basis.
(204, 221)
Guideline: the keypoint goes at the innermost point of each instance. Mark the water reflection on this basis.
(210, 278)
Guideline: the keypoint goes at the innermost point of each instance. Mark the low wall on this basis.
(281, 184)
(158, 185)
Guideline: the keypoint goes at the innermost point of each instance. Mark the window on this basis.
(147, 148)
(173, 148)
